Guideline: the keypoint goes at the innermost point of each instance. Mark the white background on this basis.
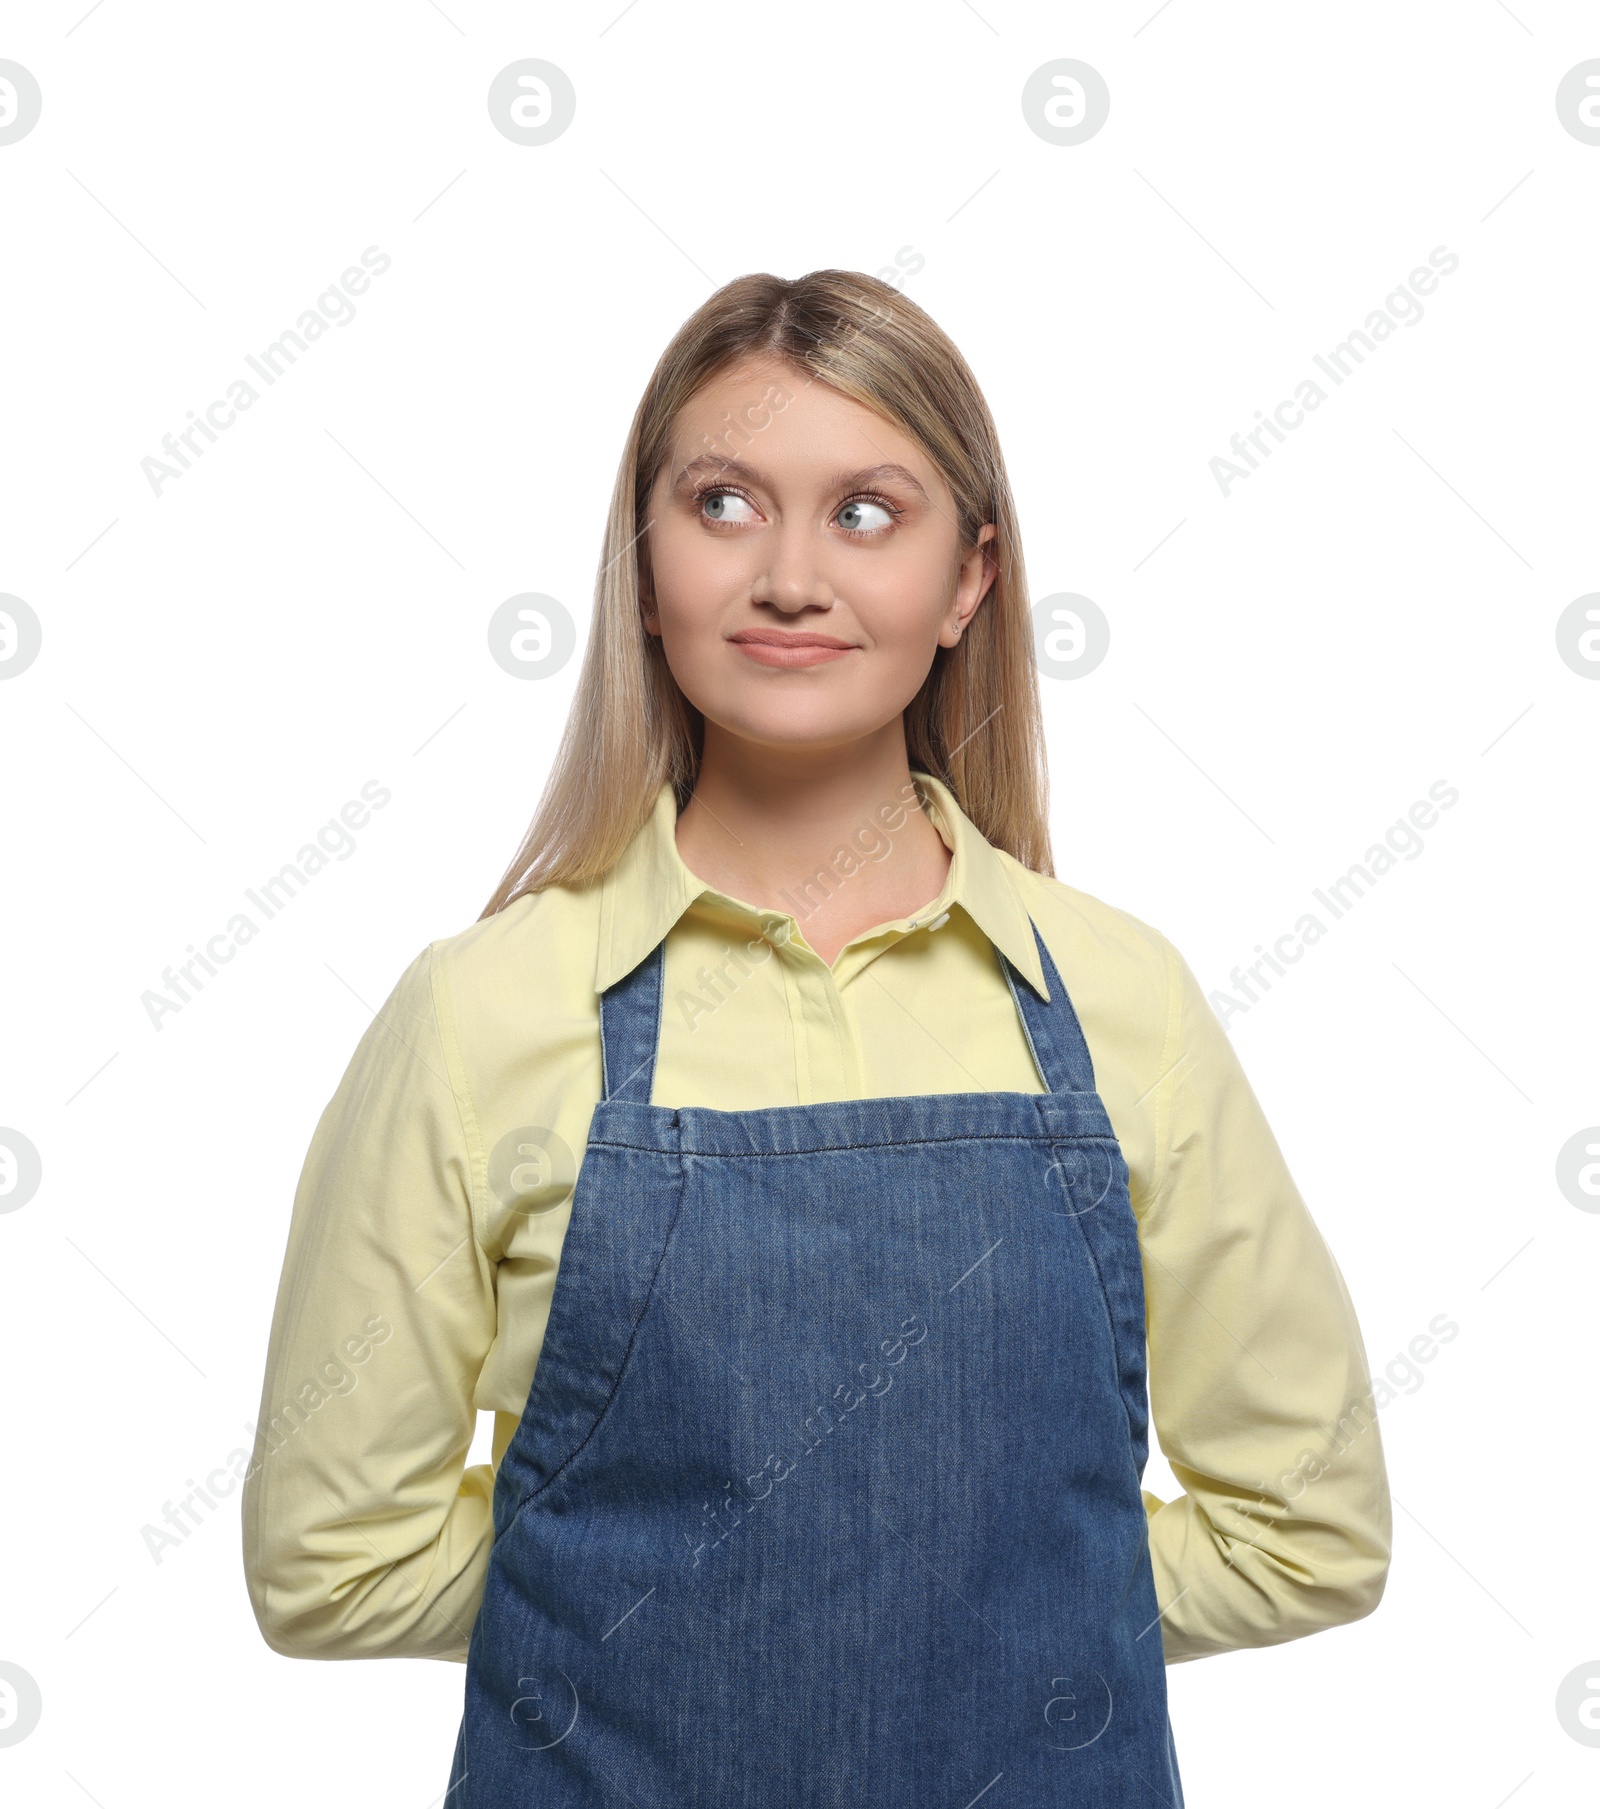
(225, 664)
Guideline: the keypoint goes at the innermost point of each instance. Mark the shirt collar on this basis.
(649, 888)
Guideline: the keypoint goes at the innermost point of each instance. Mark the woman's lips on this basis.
(774, 649)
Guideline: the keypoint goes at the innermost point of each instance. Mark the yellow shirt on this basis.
(428, 1223)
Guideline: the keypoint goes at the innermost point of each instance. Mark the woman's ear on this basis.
(982, 559)
(973, 583)
(647, 599)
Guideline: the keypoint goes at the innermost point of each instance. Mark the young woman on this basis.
(811, 1184)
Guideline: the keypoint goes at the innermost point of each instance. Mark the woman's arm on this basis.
(1259, 1386)
(363, 1535)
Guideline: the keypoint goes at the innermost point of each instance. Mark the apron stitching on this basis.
(765, 1155)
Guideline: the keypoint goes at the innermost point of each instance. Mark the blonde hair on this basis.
(975, 724)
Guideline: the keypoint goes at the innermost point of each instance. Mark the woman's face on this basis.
(804, 560)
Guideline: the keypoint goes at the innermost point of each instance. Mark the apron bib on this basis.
(827, 1488)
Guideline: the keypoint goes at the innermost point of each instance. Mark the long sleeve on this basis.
(1259, 1386)
(364, 1533)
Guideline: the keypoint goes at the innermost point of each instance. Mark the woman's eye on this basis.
(863, 517)
(724, 505)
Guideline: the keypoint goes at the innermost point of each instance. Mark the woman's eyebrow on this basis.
(708, 464)
(879, 474)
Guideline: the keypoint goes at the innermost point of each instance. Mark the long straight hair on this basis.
(975, 724)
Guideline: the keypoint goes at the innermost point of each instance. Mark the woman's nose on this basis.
(793, 576)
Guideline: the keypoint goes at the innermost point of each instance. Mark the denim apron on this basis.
(827, 1488)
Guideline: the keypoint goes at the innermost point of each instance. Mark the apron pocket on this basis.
(1093, 1177)
(615, 1243)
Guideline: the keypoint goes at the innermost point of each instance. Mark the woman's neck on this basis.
(833, 837)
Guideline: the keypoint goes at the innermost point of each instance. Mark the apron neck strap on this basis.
(630, 1029)
(1054, 1034)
